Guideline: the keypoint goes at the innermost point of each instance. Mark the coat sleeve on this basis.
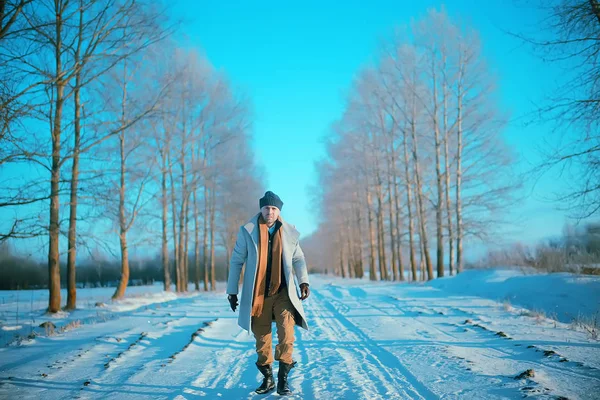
(299, 264)
(238, 258)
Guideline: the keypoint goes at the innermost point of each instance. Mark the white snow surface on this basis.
(452, 338)
(562, 296)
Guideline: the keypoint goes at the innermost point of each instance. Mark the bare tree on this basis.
(136, 154)
(163, 146)
(212, 211)
(71, 255)
(127, 214)
(100, 48)
(569, 36)
(84, 41)
(409, 205)
(406, 105)
(60, 9)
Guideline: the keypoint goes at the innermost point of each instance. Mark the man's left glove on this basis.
(304, 291)
(233, 301)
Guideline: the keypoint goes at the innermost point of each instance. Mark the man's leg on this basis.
(284, 320)
(261, 328)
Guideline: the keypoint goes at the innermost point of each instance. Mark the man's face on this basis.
(270, 214)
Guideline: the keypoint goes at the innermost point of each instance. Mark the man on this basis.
(269, 246)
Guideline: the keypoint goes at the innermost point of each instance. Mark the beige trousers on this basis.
(280, 306)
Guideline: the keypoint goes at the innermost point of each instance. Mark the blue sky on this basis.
(296, 61)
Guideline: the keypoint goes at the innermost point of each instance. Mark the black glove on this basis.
(304, 291)
(233, 301)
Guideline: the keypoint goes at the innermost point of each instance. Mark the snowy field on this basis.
(466, 337)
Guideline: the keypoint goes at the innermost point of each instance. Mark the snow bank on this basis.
(23, 312)
(132, 303)
(564, 296)
(11, 328)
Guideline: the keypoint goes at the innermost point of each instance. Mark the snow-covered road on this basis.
(366, 341)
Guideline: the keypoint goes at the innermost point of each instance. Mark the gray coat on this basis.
(246, 251)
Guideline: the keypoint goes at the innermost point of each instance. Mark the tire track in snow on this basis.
(329, 342)
(305, 366)
(104, 319)
(398, 375)
(89, 360)
(402, 309)
(503, 345)
(173, 356)
(228, 371)
(398, 307)
(160, 341)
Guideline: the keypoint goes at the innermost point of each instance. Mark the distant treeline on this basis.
(18, 272)
(577, 250)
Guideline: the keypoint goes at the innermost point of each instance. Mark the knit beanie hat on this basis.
(271, 199)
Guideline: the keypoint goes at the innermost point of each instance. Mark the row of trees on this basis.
(124, 134)
(18, 271)
(429, 102)
(417, 160)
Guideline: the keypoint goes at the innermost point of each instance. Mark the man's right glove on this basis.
(304, 291)
(233, 301)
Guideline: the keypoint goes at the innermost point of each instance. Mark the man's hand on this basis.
(233, 301)
(304, 291)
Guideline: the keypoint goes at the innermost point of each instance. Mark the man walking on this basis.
(270, 249)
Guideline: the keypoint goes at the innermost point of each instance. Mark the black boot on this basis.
(282, 378)
(268, 382)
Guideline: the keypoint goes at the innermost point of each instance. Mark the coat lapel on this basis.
(290, 237)
(252, 228)
(290, 234)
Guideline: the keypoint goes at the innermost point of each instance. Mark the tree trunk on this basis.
(350, 242)
(447, 177)
(424, 271)
(213, 278)
(342, 272)
(176, 244)
(397, 215)
(183, 211)
(372, 273)
(196, 154)
(381, 230)
(361, 269)
(228, 251)
(419, 194)
(181, 255)
(411, 243)
(196, 245)
(349, 257)
(54, 227)
(165, 212)
(120, 291)
(72, 235)
(438, 176)
(186, 235)
(397, 268)
(459, 222)
(205, 244)
(392, 223)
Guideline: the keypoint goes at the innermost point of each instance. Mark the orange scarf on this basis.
(261, 272)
